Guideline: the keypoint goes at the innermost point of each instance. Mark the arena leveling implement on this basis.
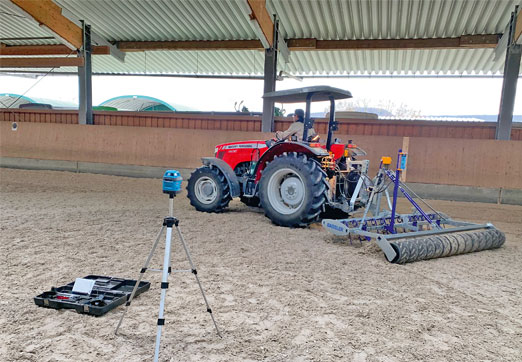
(411, 237)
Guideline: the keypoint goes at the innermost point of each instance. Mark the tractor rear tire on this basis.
(293, 190)
(208, 190)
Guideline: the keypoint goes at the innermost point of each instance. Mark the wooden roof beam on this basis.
(262, 22)
(479, 41)
(49, 15)
(21, 50)
(466, 41)
(41, 62)
(517, 37)
(469, 41)
(130, 46)
(96, 39)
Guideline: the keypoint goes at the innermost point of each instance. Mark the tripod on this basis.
(168, 223)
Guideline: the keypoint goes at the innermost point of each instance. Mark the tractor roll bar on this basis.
(332, 124)
(307, 121)
(305, 94)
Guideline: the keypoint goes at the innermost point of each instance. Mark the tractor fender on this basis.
(227, 171)
(283, 147)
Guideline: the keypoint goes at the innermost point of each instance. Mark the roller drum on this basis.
(447, 245)
(488, 240)
(480, 239)
(476, 242)
(455, 245)
(403, 253)
(430, 248)
(500, 239)
(462, 243)
(417, 249)
(437, 246)
(469, 242)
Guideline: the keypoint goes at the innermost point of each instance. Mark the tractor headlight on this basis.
(215, 151)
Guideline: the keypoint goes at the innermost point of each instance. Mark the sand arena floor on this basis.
(278, 294)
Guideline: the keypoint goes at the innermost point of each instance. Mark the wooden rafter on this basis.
(302, 44)
(41, 62)
(479, 41)
(466, 41)
(20, 50)
(129, 46)
(262, 17)
(469, 41)
(518, 28)
(47, 13)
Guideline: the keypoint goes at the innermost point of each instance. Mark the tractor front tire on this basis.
(293, 190)
(208, 190)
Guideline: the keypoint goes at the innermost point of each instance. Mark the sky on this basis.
(431, 96)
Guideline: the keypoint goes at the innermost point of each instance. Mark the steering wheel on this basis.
(274, 140)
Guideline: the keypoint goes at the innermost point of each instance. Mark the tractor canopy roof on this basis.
(298, 95)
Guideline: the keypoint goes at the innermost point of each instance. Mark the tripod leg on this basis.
(164, 287)
(195, 272)
(142, 272)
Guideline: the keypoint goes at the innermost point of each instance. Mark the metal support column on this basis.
(85, 79)
(267, 124)
(270, 74)
(509, 85)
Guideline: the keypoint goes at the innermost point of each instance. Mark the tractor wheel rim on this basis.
(206, 190)
(286, 191)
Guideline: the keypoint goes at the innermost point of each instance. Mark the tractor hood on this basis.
(242, 145)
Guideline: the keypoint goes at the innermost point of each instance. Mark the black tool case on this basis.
(107, 294)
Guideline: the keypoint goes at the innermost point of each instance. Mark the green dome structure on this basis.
(138, 103)
(11, 100)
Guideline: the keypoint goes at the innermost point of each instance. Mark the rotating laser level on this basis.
(172, 182)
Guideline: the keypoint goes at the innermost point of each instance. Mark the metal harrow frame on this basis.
(417, 236)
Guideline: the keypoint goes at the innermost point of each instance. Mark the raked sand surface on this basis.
(278, 294)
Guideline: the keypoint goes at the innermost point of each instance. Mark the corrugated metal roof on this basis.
(15, 24)
(391, 19)
(121, 20)
(236, 62)
(322, 19)
(250, 62)
(136, 20)
(425, 61)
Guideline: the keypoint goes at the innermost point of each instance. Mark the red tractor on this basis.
(293, 181)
